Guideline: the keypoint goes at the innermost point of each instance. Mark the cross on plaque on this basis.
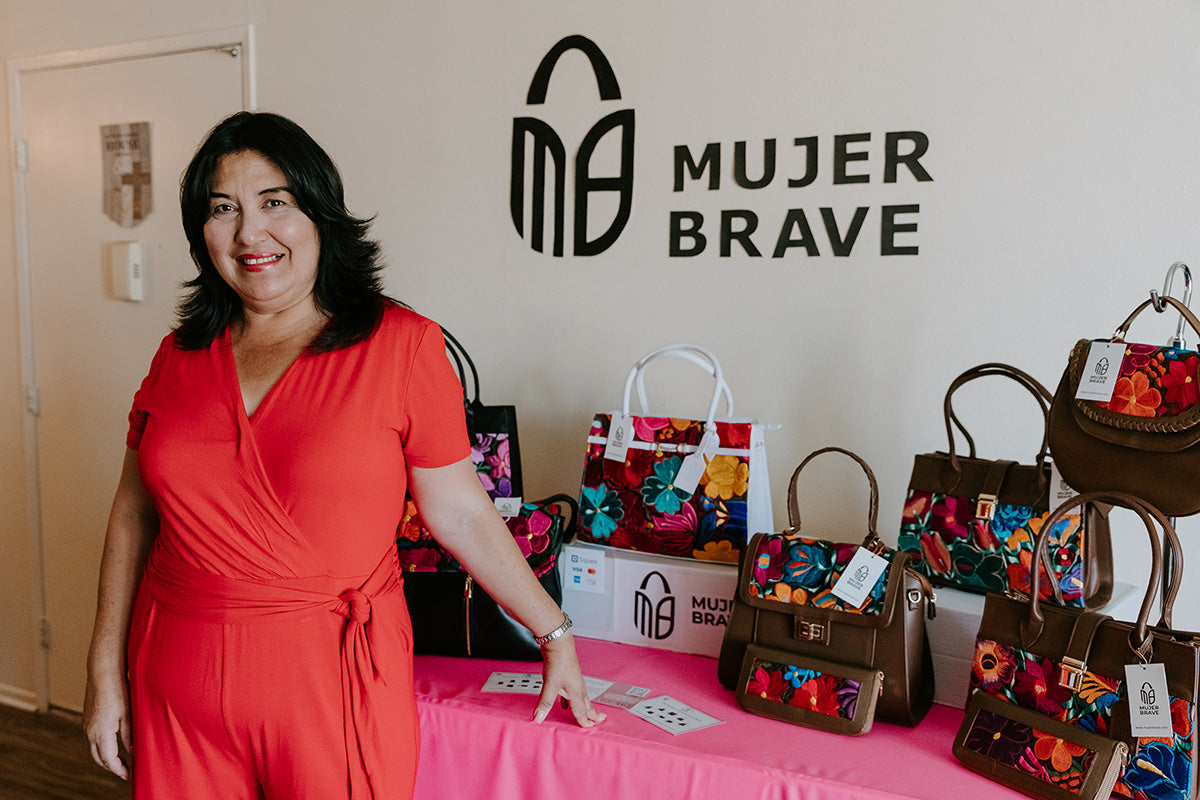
(137, 178)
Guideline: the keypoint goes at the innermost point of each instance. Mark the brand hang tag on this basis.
(1100, 371)
(1060, 490)
(620, 434)
(860, 577)
(1149, 703)
(693, 466)
(508, 506)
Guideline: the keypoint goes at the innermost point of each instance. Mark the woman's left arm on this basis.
(461, 516)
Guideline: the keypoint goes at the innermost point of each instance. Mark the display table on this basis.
(483, 745)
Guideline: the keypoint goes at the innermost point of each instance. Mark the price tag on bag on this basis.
(1100, 371)
(860, 577)
(1149, 703)
(693, 466)
(1060, 490)
(620, 434)
(508, 506)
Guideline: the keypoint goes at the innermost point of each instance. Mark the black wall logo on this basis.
(549, 154)
(654, 608)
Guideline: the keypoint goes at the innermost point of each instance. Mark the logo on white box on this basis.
(654, 611)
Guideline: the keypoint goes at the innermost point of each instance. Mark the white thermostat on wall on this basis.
(128, 270)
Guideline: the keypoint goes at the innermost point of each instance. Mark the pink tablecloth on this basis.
(477, 745)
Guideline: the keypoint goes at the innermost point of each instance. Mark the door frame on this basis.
(241, 38)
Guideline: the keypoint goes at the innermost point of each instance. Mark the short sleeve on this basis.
(435, 429)
(137, 413)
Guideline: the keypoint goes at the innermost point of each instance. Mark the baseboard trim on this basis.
(17, 697)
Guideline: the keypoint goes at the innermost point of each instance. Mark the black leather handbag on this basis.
(453, 616)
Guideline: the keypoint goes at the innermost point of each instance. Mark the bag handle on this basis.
(1040, 393)
(872, 541)
(459, 354)
(1163, 300)
(572, 518)
(1139, 638)
(689, 352)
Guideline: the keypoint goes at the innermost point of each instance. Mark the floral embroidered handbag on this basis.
(970, 523)
(675, 486)
(1054, 688)
(495, 451)
(1145, 440)
(454, 616)
(799, 648)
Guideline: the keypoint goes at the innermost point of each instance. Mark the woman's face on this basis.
(259, 240)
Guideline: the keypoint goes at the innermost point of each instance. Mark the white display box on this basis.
(637, 598)
(952, 636)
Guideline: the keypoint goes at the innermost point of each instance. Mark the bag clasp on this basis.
(1071, 673)
(812, 631)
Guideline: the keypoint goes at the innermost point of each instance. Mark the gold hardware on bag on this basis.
(1071, 673)
(467, 591)
(985, 506)
(812, 631)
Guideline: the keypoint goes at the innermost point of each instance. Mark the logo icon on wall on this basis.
(549, 153)
(654, 611)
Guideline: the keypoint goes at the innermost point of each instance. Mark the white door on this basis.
(90, 349)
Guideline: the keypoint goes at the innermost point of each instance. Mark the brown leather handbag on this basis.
(1049, 712)
(1146, 441)
(797, 651)
(970, 522)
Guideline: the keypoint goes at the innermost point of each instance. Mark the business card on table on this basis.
(514, 683)
(673, 716)
(531, 683)
(622, 695)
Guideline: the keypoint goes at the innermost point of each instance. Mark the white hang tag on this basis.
(1100, 371)
(620, 434)
(1149, 703)
(1060, 490)
(693, 466)
(860, 577)
(508, 506)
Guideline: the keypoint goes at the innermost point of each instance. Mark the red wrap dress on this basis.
(270, 651)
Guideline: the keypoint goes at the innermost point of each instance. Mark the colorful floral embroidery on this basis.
(634, 504)
(792, 569)
(1158, 769)
(537, 531)
(1155, 382)
(950, 545)
(831, 695)
(1024, 747)
(493, 463)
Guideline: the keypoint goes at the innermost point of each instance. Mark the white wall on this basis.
(1062, 146)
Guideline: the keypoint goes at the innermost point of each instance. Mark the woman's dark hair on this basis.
(348, 287)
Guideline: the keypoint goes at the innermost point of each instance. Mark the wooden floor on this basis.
(45, 757)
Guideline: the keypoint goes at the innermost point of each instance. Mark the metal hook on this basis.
(1160, 306)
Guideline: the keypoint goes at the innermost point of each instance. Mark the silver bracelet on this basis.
(554, 634)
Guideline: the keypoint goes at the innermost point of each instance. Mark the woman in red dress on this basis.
(252, 639)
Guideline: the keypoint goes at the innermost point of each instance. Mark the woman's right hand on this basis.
(106, 722)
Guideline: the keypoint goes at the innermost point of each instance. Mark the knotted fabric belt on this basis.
(367, 659)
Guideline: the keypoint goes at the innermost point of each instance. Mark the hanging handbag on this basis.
(797, 651)
(1145, 441)
(453, 616)
(673, 486)
(1050, 709)
(495, 451)
(970, 523)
